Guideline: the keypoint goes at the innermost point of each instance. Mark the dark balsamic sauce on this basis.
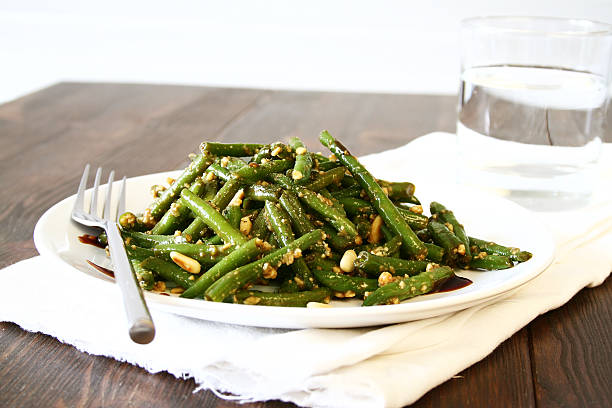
(91, 240)
(454, 283)
(102, 269)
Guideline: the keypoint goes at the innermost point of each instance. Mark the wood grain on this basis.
(561, 359)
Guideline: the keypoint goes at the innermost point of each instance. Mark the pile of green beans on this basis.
(278, 225)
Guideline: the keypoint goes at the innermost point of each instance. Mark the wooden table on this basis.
(562, 358)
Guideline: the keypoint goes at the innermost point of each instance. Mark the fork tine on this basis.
(121, 203)
(109, 192)
(80, 199)
(93, 205)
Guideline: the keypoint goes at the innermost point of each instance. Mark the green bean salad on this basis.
(278, 225)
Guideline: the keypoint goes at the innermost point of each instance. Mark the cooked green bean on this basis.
(407, 288)
(240, 256)
(231, 149)
(412, 246)
(213, 219)
(303, 161)
(265, 267)
(195, 169)
(285, 299)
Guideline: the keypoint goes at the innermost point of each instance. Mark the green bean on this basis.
(352, 191)
(415, 221)
(355, 206)
(219, 171)
(149, 240)
(240, 256)
(130, 222)
(261, 192)
(299, 219)
(412, 246)
(406, 288)
(324, 179)
(145, 277)
(322, 206)
(195, 168)
(198, 227)
(168, 271)
(280, 224)
(374, 265)
(515, 254)
(213, 219)
(138, 253)
(303, 161)
(443, 237)
(434, 252)
(490, 262)
(397, 190)
(177, 214)
(441, 213)
(276, 149)
(342, 283)
(236, 279)
(255, 172)
(337, 241)
(205, 254)
(230, 149)
(288, 299)
(233, 214)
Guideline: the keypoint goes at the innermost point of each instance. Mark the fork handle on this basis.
(141, 326)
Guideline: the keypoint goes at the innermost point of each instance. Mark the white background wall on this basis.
(380, 46)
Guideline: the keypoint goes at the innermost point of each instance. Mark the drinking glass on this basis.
(532, 107)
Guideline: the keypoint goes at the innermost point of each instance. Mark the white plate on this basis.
(484, 216)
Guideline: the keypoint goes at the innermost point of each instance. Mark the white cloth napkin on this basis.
(318, 367)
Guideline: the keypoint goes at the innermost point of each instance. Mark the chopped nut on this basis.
(170, 180)
(175, 208)
(224, 161)
(461, 249)
(417, 209)
(347, 263)
(269, 272)
(288, 258)
(385, 278)
(336, 269)
(449, 226)
(296, 175)
(177, 290)
(159, 286)
(210, 176)
(349, 294)
(251, 300)
(186, 263)
(333, 157)
(156, 189)
(246, 225)
(237, 199)
(276, 151)
(147, 218)
(300, 150)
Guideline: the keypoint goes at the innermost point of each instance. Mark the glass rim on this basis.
(575, 27)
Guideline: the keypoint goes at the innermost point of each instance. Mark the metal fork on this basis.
(141, 326)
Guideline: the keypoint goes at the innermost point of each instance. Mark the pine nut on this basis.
(347, 263)
(186, 263)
